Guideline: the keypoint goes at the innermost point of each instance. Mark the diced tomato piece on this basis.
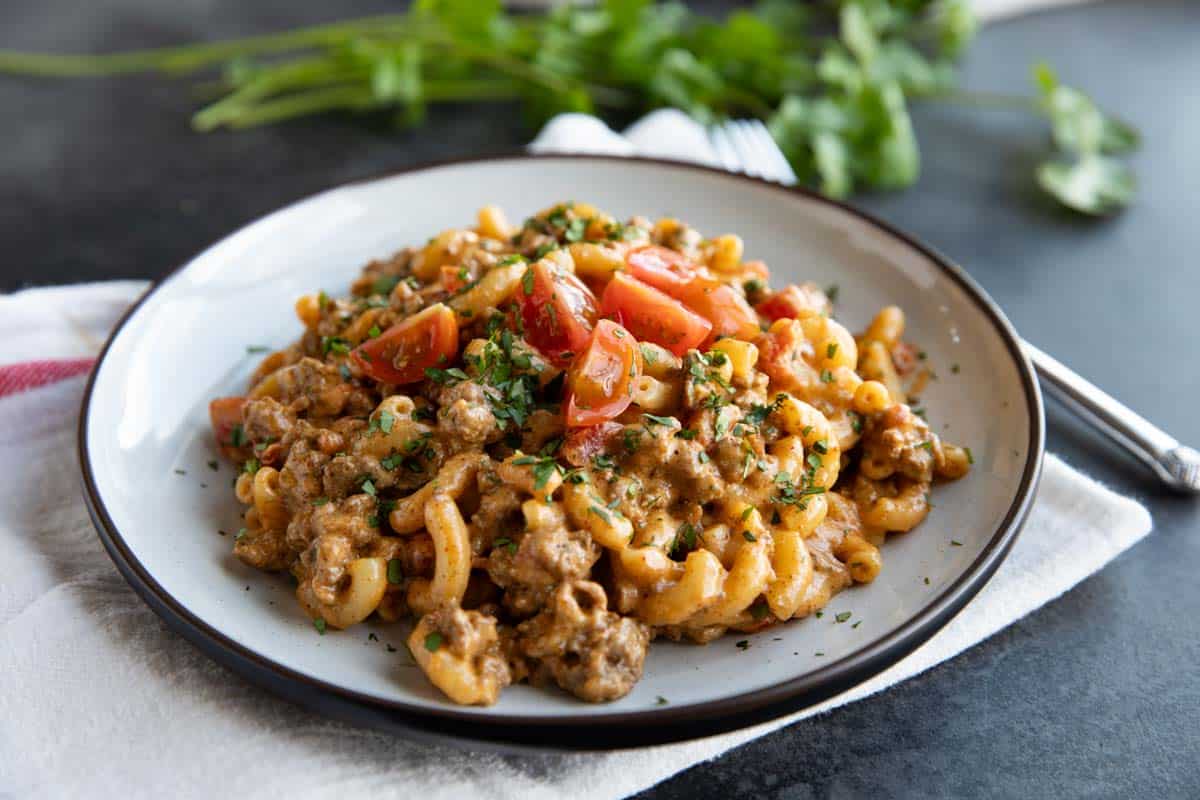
(558, 311)
(905, 357)
(721, 305)
(665, 269)
(454, 277)
(581, 445)
(758, 269)
(652, 316)
(225, 413)
(403, 352)
(781, 352)
(601, 379)
(794, 302)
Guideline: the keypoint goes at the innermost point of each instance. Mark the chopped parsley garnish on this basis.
(955, 543)
(512, 258)
(214, 466)
(660, 701)
(507, 543)
(542, 250)
(656, 420)
(842, 617)
(575, 229)
(320, 501)
(742, 644)
(831, 350)
(686, 433)
(386, 420)
(237, 436)
(334, 344)
(820, 446)
(856, 421)
(249, 467)
(600, 512)
(527, 282)
(928, 445)
(433, 641)
(319, 624)
(649, 354)
(832, 293)
(826, 376)
(256, 348)
(970, 457)
(373, 332)
(685, 540)
(395, 571)
(446, 377)
(747, 511)
(749, 537)
(368, 487)
(384, 284)
(241, 534)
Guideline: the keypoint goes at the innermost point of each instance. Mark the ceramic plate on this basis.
(145, 448)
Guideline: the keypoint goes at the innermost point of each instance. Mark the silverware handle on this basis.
(1176, 465)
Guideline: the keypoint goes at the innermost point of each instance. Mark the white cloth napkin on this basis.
(98, 697)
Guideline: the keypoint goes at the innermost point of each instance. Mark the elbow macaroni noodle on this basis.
(737, 487)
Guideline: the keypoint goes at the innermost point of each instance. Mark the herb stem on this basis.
(192, 57)
(993, 100)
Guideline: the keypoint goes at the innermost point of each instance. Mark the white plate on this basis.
(145, 445)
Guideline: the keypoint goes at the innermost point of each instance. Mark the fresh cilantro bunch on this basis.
(833, 80)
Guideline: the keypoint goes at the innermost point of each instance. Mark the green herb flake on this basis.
(433, 640)
(749, 537)
(319, 624)
(843, 616)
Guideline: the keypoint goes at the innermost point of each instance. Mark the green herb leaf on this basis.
(433, 640)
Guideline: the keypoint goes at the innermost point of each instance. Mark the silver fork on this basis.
(746, 146)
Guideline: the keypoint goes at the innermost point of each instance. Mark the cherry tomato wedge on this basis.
(665, 269)
(454, 277)
(558, 311)
(794, 302)
(721, 305)
(226, 415)
(581, 445)
(402, 353)
(601, 379)
(652, 316)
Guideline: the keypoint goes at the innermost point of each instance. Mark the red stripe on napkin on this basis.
(28, 375)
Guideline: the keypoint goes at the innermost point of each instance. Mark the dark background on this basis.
(1094, 695)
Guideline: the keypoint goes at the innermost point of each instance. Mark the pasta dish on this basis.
(549, 444)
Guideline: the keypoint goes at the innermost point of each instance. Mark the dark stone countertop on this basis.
(1094, 695)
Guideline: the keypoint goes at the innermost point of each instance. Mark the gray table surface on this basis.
(1094, 695)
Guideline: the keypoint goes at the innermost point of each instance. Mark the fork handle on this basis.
(1178, 466)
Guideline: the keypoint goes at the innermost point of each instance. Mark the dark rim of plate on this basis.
(656, 725)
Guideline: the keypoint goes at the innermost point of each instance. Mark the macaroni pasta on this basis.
(545, 466)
